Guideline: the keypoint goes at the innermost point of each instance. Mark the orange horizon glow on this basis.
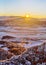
(27, 15)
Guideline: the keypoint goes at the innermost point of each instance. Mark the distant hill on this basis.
(21, 21)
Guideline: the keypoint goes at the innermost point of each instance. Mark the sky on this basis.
(21, 7)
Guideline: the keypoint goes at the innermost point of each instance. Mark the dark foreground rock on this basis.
(7, 37)
(33, 56)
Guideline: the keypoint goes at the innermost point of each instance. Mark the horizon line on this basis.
(23, 15)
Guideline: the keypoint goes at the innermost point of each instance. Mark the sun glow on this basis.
(27, 16)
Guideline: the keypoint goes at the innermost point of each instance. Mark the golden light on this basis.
(27, 18)
(27, 15)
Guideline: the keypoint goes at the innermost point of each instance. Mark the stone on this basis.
(7, 37)
(5, 54)
(17, 51)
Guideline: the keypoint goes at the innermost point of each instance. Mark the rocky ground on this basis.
(15, 54)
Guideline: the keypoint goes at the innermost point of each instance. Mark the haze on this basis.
(36, 8)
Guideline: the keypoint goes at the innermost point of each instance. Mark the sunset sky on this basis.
(36, 8)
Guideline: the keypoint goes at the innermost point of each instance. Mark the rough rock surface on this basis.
(17, 51)
(32, 56)
(5, 54)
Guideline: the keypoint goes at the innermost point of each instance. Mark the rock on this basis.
(32, 56)
(5, 54)
(7, 37)
(11, 45)
(27, 63)
(22, 59)
(17, 51)
(3, 42)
